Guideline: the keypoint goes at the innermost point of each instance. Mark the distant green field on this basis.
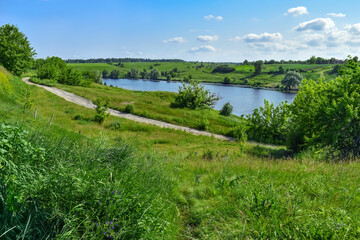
(243, 74)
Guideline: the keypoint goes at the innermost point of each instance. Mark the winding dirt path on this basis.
(88, 104)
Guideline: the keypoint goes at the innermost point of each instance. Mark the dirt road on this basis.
(88, 104)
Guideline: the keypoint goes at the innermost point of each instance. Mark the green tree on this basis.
(194, 96)
(269, 124)
(258, 66)
(114, 74)
(326, 114)
(16, 54)
(102, 107)
(133, 73)
(155, 74)
(105, 74)
(291, 79)
(227, 109)
(281, 70)
(312, 60)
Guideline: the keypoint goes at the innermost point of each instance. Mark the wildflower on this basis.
(104, 232)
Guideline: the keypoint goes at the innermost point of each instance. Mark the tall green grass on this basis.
(59, 184)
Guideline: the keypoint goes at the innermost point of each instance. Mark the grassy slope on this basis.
(228, 191)
(268, 78)
(156, 105)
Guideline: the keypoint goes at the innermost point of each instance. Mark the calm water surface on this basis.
(244, 100)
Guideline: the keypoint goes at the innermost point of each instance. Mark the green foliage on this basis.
(102, 106)
(239, 132)
(93, 76)
(114, 74)
(258, 67)
(55, 69)
(155, 74)
(133, 73)
(326, 114)
(4, 84)
(281, 70)
(223, 69)
(114, 126)
(51, 68)
(227, 80)
(104, 74)
(292, 79)
(55, 186)
(269, 124)
(227, 109)
(16, 54)
(128, 108)
(204, 124)
(194, 96)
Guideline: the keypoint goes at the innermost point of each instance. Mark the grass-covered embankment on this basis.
(192, 188)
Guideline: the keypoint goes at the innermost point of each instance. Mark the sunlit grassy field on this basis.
(77, 179)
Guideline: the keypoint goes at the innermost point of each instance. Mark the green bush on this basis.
(227, 109)
(114, 126)
(194, 96)
(102, 106)
(129, 108)
(227, 80)
(204, 124)
(239, 132)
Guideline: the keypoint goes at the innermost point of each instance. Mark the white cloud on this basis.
(207, 38)
(297, 11)
(336, 15)
(206, 48)
(313, 40)
(353, 29)
(317, 24)
(209, 17)
(263, 37)
(175, 40)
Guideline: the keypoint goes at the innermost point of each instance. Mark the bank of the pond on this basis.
(244, 99)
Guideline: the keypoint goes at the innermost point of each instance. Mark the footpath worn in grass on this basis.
(77, 179)
(156, 105)
(243, 74)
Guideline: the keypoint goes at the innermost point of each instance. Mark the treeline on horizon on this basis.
(311, 60)
(120, 60)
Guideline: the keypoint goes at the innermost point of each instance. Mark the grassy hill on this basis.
(77, 179)
(243, 74)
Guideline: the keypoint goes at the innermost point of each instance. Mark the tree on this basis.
(51, 68)
(133, 73)
(326, 114)
(16, 54)
(356, 59)
(102, 107)
(312, 60)
(246, 62)
(227, 109)
(155, 74)
(194, 96)
(105, 74)
(281, 70)
(114, 74)
(258, 66)
(292, 79)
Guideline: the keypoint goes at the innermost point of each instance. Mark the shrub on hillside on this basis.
(194, 96)
(129, 108)
(102, 106)
(227, 109)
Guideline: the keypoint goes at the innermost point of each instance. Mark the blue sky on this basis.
(200, 30)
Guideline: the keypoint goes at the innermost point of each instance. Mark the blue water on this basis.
(243, 99)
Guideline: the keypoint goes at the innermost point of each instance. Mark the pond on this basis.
(243, 99)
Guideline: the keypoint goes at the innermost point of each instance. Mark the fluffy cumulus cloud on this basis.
(298, 11)
(313, 40)
(336, 15)
(207, 38)
(210, 17)
(207, 48)
(263, 37)
(175, 40)
(353, 29)
(317, 24)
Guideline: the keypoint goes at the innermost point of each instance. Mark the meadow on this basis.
(125, 180)
(243, 74)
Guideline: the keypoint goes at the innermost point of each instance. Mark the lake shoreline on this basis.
(216, 84)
